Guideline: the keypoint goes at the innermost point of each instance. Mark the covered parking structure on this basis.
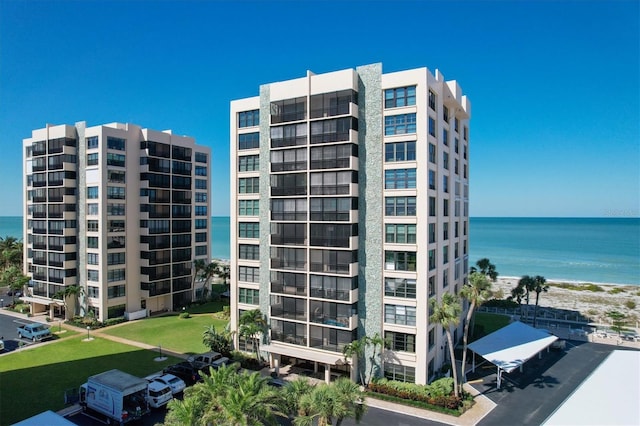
(510, 347)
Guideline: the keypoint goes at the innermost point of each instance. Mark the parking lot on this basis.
(530, 397)
(8, 326)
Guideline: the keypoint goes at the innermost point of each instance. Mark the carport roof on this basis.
(511, 346)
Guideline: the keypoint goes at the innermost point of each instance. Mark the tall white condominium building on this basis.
(119, 211)
(349, 212)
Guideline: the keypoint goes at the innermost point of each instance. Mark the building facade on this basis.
(349, 212)
(120, 213)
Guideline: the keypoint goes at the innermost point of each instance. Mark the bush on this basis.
(114, 321)
(500, 303)
(247, 361)
(439, 393)
(616, 290)
(184, 315)
(630, 304)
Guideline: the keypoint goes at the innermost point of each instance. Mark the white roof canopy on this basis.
(511, 346)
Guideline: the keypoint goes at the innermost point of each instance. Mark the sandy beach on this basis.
(593, 304)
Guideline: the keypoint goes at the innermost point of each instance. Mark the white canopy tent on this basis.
(510, 347)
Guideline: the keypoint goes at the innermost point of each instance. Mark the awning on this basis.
(40, 300)
(324, 357)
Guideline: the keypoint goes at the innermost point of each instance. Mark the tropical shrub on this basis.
(501, 303)
(439, 393)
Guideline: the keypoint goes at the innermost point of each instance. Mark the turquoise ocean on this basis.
(600, 250)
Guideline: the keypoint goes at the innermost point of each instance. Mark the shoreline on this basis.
(575, 282)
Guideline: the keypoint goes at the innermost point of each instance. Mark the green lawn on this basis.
(170, 331)
(34, 380)
(488, 323)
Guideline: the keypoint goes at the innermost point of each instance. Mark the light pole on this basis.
(2, 302)
(88, 328)
(160, 346)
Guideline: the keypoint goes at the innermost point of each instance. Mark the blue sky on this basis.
(554, 85)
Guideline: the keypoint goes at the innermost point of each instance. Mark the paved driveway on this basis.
(529, 398)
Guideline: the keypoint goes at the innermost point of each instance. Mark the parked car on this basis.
(176, 384)
(184, 370)
(1, 344)
(204, 361)
(220, 361)
(277, 383)
(14, 293)
(158, 394)
(34, 331)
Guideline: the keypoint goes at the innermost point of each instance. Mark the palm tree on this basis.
(447, 314)
(378, 343)
(476, 291)
(339, 400)
(15, 279)
(293, 392)
(11, 250)
(539, 285)
(208, 272)
(518, 293)
(252, 325)
(183, 412)
(526, 285)
(485, 267)
(251, 402)
(355, 351)
(218, 342)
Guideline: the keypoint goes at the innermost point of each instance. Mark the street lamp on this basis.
(2, 302)
(160, 346)
(88, 328)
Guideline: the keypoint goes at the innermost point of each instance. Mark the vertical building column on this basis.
(81, 223)
(370, 205)
(265, 256)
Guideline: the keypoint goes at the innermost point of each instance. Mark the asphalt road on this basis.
(9, 334)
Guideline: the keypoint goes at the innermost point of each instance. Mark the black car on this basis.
(185, 371)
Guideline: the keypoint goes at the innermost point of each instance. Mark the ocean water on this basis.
(602, 250)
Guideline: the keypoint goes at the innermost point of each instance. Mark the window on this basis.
(92, 225)
(400, 234)
(332, 183)
(93, 275)
(400, 151)
(331, 209)
(287, 184)
(249, 230)
(201, 197)
(115, 275)
(399, 314)
(445, 114)
(115, 160)
(432, 259)
(333, 103)
(465, 133)
(399, 373)
(432, 206)
(249, 252)
(201, 250)
(332, 156)
(445, 278)
(115, 291)
(432, 127)
(400, 97)
(288, 110)
(249, 118)
(432, 100)
(432, 336)
(400, 206)
(200, 170)
(328, 287)
(248, 141)
(400, 261)
(335, 130)
(248, 274)
(445, 255)
(92, 159)
(445, 160)
(456, 143)
(400, 287)
(115, 143)
(201, 157)
(400, 341)
(288, 135)
(445, 207)
(432, 153)
(92, 209)
(445, 137)
(93, 258)
(92, 192)
(115, 176)
(92, 142)
(445, 231)
(249, 185)
(248, 207)
(201, 184)
(445, 184)
(115, 192)
(116, 258)
(399, 124)
(199, 210)
(289, 209)
(92, 242)
(432, 285)
(432, 233)
(288, 160)
(400, 179)
(288, 258)
(93, 291)
(115, 209)
(456, 166)
(249, 296)
(331, 261)
(248, 163)
(288, 233)
(432, 179)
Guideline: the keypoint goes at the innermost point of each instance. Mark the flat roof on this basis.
(609, 396)
(48, 418)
